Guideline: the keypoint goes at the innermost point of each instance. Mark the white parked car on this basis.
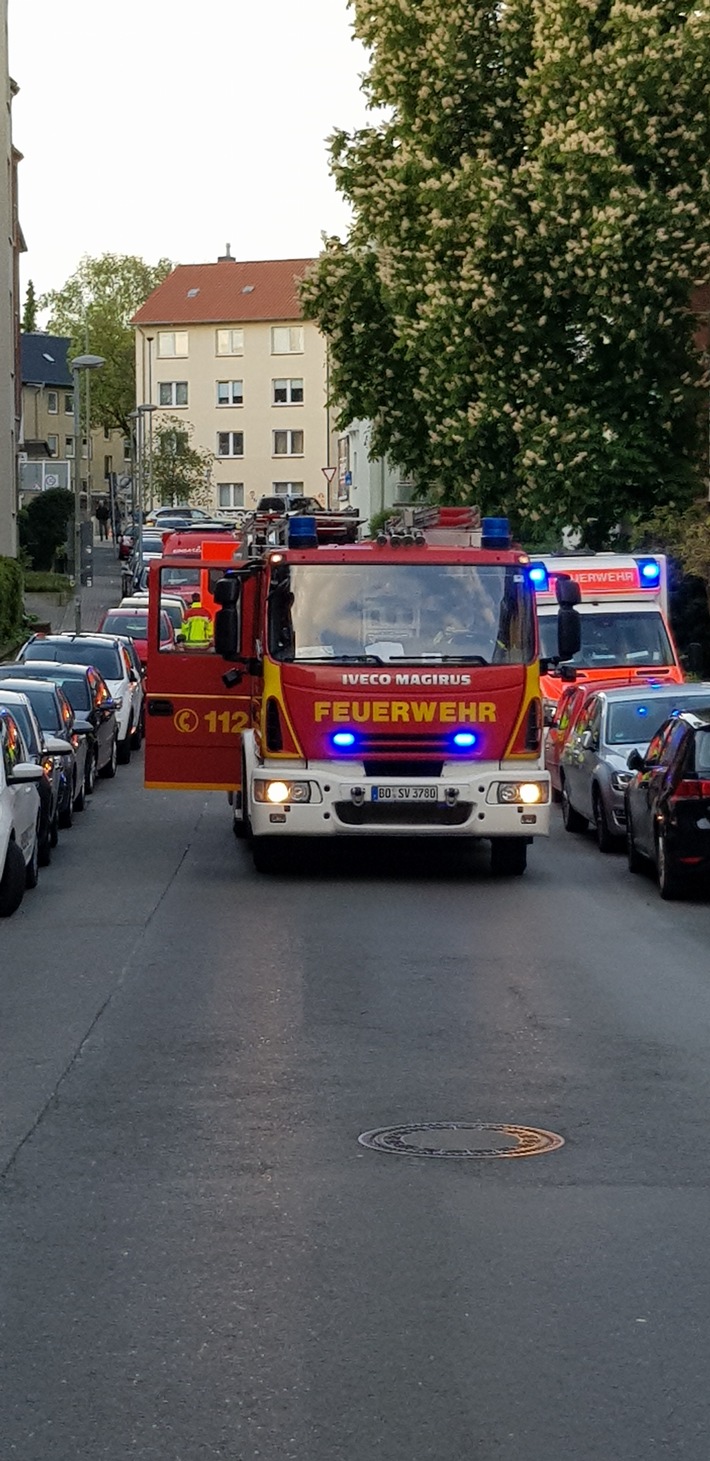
(19, 816)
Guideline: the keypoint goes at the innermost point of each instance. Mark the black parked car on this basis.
(56, 719)
(94, 713)
(668, 803)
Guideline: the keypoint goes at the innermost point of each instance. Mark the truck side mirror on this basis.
(567, 591)
(569, 630)
(227, 592)
(226, 631)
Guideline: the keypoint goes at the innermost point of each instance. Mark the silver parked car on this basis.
(593, 765)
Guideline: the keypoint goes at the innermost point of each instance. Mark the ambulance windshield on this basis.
(613, 639)
(382, 612)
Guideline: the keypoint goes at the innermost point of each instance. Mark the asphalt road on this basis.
(198, 1258)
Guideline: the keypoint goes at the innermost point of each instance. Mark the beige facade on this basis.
(10, 243)
(254, 392)
(47, 425)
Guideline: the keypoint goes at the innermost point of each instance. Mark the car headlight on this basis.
(621, 779)
(278, 792)
(520, 793)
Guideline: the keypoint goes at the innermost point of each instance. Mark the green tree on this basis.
(43, 526)
(95, 308)
(181, 472)
(511, 307)
(29, 314)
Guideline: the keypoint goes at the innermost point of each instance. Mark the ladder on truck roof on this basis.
(455, 527)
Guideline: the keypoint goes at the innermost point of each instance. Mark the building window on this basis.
(288, 444)
(230, 392)
(288, 392)
(173, 392)
(52, 402)
(171, 343)
(287, 489)
(69, 405)
(287, 340)
(126, 450)
(53, 445)
(230, 342)
(230, 443)
(231, 494)
(69, 446)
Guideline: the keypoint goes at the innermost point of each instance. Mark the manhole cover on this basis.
(459, 1140)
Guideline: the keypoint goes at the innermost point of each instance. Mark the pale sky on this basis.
(171, 127)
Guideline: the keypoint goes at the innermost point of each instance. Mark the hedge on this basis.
(11, 604)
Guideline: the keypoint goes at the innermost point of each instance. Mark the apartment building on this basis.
(224, 347)
(47, 425)
(11, 245)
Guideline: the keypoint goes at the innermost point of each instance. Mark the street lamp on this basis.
(142, 412)
(81, 362)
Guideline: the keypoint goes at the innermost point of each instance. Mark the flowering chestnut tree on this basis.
(531, 213)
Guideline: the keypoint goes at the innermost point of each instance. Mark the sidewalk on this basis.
(104, 593)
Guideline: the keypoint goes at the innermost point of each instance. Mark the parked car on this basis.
(134, 624)
(594, 769)
(173, 605)
(40, 751)
(19, 816)
(94, 710)
(668, 803)
(56, 720)
(333, 527)
(186, 513)
(106, 653)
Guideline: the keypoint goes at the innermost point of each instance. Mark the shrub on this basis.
(11, 605)
(43, 527)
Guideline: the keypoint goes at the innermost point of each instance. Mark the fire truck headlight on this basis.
(517, 793)
(279, 792)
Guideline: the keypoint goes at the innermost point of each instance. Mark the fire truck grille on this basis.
(400, 744)
(403, 767)
(404, 814)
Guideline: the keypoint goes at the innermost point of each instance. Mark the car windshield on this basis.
(45, 708)
(135, 625)
(105, 657)
(180, 577)
(635, 722)
(386, 612)
(26, 724)
(77, 692)
(613, 640)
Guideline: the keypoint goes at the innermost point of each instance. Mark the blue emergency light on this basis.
(464, 740)
(302, 532)
(343, 740)
(495, 533)
(539, 577)
(649, 572)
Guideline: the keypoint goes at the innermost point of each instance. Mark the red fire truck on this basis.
(380, 688)
(625, 630)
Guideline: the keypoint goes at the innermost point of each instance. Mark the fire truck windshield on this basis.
(613, 640)
(383, 611)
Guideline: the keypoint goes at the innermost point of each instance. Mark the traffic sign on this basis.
(328, 473)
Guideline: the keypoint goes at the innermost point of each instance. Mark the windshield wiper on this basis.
(441, 659)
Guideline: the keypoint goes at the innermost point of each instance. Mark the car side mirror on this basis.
(24, 772)
(83, 728)
(55, 746)
(133, 677)
(567, 591)
(635, 761)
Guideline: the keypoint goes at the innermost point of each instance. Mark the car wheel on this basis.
(669, 885)
(44, 848)
(124, 748)
(109, 770)
(635, 860)
(66, 816)
(12, 882)
(32, 869)
(137, 737)
(80, 798)
(572, 820)
(606, 842)
(267, 854)
(509, 857)
(90, 770)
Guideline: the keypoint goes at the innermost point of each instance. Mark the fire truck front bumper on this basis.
(332, 801)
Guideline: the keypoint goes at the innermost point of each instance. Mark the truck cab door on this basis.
(198, 706)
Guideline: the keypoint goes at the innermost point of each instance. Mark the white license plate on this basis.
(404, 794)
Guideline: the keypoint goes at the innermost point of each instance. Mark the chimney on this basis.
(226, 257)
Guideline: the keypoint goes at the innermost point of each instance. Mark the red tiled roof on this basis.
(227, 292)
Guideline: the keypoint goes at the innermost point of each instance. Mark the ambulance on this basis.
(625, 630)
